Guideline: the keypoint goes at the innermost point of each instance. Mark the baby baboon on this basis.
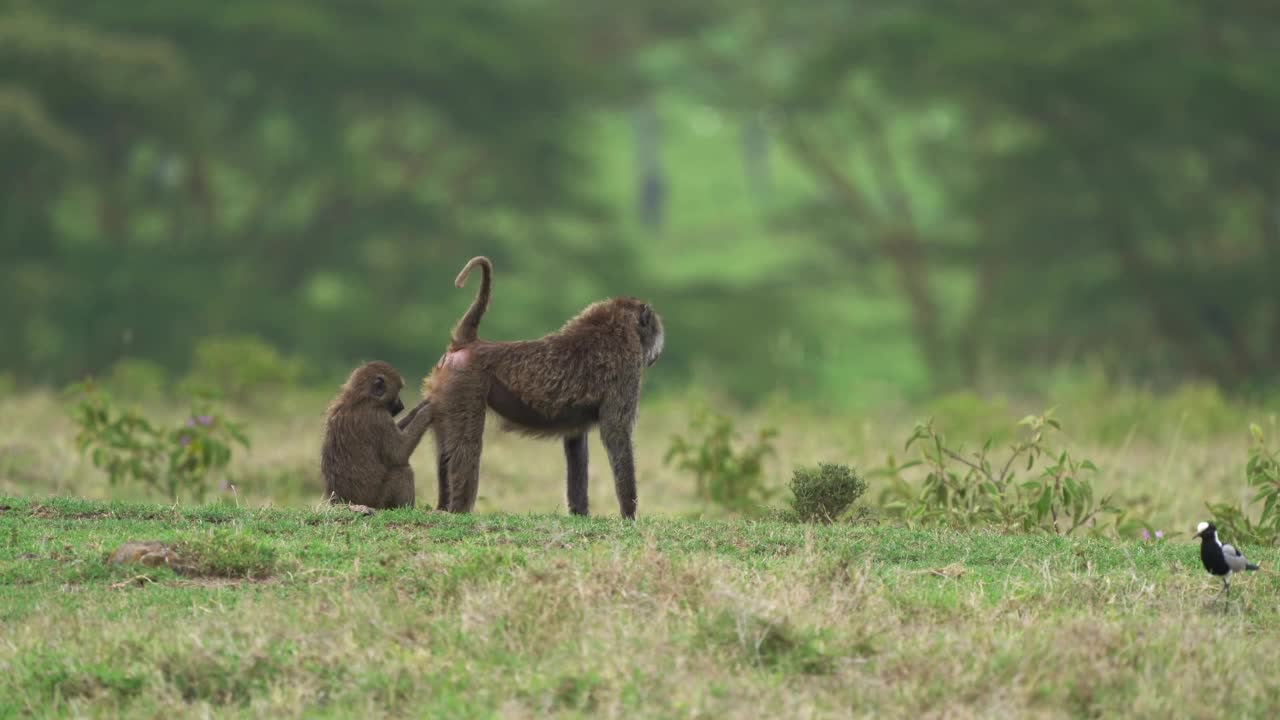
(586, 373)
(365, 458)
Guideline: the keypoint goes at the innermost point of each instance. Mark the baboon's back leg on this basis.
(616, 434)
(442, 467)
(464, 437)
(575, 456)
(400, 489)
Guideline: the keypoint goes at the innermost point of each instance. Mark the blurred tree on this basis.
(274, 168)
(1102, 177)
(1130, 174)
(1034, 180)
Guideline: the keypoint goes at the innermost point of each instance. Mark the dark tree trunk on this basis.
(651, 190)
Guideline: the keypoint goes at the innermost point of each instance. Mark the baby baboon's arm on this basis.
(400, 444)
(409, 416)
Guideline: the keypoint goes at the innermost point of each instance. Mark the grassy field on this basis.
(288, 613)
(288, 609)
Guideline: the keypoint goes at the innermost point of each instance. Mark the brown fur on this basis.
(587, 373)
(365, 457)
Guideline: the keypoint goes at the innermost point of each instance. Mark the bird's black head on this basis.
(1205, 531)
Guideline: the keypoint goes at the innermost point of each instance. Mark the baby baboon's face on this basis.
(385, 389)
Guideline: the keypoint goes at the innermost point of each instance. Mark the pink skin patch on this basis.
(455, 360)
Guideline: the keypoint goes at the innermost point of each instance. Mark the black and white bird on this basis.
(1219, 559)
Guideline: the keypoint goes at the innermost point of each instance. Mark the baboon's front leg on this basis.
(575, 456)
(616, 434)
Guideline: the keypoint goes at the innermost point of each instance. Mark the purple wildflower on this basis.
(1159, 534)
(184, 441)
(205, 420)
(1145, 535)
(191, 422)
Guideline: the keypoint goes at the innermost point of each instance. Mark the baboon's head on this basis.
(622, 314)
(376, 382)
(652, 337)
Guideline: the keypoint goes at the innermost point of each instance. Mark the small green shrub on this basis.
(966, 491)
(729, 478)
(1262, 472)
(241, 368)
(825, 493)
(131, 448)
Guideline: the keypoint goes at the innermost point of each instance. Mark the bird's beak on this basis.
(1198, 534)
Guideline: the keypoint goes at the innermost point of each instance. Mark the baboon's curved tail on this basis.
(465, 331)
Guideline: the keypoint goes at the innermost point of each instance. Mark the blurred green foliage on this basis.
(242, 368)
(142, 380)
(831, 200)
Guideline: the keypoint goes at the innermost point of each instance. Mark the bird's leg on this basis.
(1221, 590)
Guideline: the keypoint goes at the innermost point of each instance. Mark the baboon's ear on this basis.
(646, 315)
(379, 386)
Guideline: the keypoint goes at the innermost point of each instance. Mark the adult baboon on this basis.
(587, 373)
(365, 457)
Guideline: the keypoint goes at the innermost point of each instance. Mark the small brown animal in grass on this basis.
(365, 457)
(588, 373)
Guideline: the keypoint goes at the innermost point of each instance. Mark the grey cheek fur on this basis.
(656, 349)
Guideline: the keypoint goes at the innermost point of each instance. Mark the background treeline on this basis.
(824, 198)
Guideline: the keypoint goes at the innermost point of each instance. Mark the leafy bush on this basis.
(825, 493)
(732, 479)
(1262, 472)
(241, 368)
(129, 447)
(966, 491)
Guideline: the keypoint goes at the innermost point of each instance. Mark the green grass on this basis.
(293, 612)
